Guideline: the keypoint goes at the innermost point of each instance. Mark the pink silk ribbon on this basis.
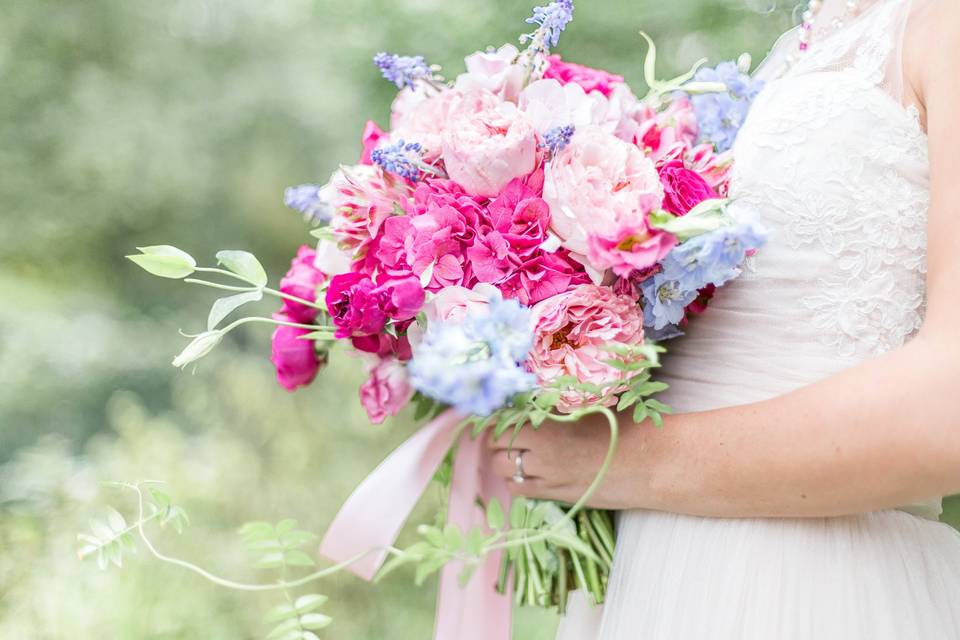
(373, 515)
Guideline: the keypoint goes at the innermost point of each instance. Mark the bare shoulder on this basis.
(931, 48)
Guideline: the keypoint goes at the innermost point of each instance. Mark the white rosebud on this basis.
(200, 346)
(744, 62)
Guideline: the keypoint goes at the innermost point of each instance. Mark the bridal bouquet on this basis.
(509, 253)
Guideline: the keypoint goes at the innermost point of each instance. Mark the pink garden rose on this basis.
(633, 246)
(483, 150)
(386, 391)
(294, 358)
(360, 307)
(596, 185)
(495, 71)
(570, 335)
(666, 134)
(683, 189)
(589, 79)
(385, 345)
(302, 281)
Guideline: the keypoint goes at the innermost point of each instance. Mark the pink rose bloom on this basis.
(494, 71)
(634, 246)
(589, 79)
(441, 225)
(422, 117)
(295, 359)
(362, 198)
(386, 391)
(683, 189)
(359, 307)
(484, 150)
(372, 135)
(669, 133)
(302, 281)
(596, 185)
(571, 332)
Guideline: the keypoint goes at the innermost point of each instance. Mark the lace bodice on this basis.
(836, 170)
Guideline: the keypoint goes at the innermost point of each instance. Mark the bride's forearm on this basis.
(881, 435)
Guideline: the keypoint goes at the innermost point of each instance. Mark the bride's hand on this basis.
(561, 460)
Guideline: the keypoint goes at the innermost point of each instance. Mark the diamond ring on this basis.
(519, 477)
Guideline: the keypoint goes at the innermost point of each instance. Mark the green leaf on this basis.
(297, 558)
(453, 537)
(495, 514)
(649, 388)
(474, 542)
(309, 602)
(315, 621)
(640, 413)
(518, 512)
(245, 265)
(284, 628)
(658, 406)
(225, 306)
(657, 419)
(270, 561)
(115, 520)
(279, 613)
(164, 261)
(650, 62)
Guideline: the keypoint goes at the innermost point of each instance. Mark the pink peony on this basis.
(372, 135)
(589, 79)
(548, 104)
(422, 117)
(302, 281)
(386, 391)
(683, 189)
(485, 149)
(441, 226)
(295, 359)
(571, 332)
(358, 307)
(494, 71)
(596, 185)
(631, 247)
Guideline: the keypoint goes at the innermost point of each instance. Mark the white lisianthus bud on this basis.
(744, 62)
(200, 346)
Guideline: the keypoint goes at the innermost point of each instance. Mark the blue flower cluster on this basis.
(402, 158)
(712, 258)
(403, 71)
(557, 138)
(721, 115)
(476, 366)
(552, 19)
(306, 199)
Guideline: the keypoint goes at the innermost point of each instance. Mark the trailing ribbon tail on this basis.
(373, 515)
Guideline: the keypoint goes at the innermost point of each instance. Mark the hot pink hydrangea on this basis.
(483, 150)
(596, 185)
(302, 281)
(386, 391)
(436, 234)
(294, 358)
(588, 78)
(571, 332)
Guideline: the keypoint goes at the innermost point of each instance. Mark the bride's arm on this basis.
(883, 434)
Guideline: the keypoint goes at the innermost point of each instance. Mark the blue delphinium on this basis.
(402, 158)
(557, 138)
(306, 199)
(720, 115)
(712, 258)
(552, 19)
(403, 71)
(476, 366)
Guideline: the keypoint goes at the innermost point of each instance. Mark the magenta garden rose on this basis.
(294, 358)
(588, 78)
(302, 281)
(683, 189)
(360, 307)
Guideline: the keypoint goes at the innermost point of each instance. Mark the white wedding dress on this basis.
(835, 167)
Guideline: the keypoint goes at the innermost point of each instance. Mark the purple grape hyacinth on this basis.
(403, 71)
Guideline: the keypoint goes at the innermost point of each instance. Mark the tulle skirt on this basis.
(886, 575)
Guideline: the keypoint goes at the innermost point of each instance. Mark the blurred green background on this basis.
(137, 122)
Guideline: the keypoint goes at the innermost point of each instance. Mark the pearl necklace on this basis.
(810, 20)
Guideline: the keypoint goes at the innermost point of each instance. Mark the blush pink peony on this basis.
(419, 116)
(386, 391)
(483, 150)
(633, 246)
(495, 71)
(570, 335)
(596, 185)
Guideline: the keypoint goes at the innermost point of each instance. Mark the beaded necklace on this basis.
(814, 7)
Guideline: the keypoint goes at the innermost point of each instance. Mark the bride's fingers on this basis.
(505, 462)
